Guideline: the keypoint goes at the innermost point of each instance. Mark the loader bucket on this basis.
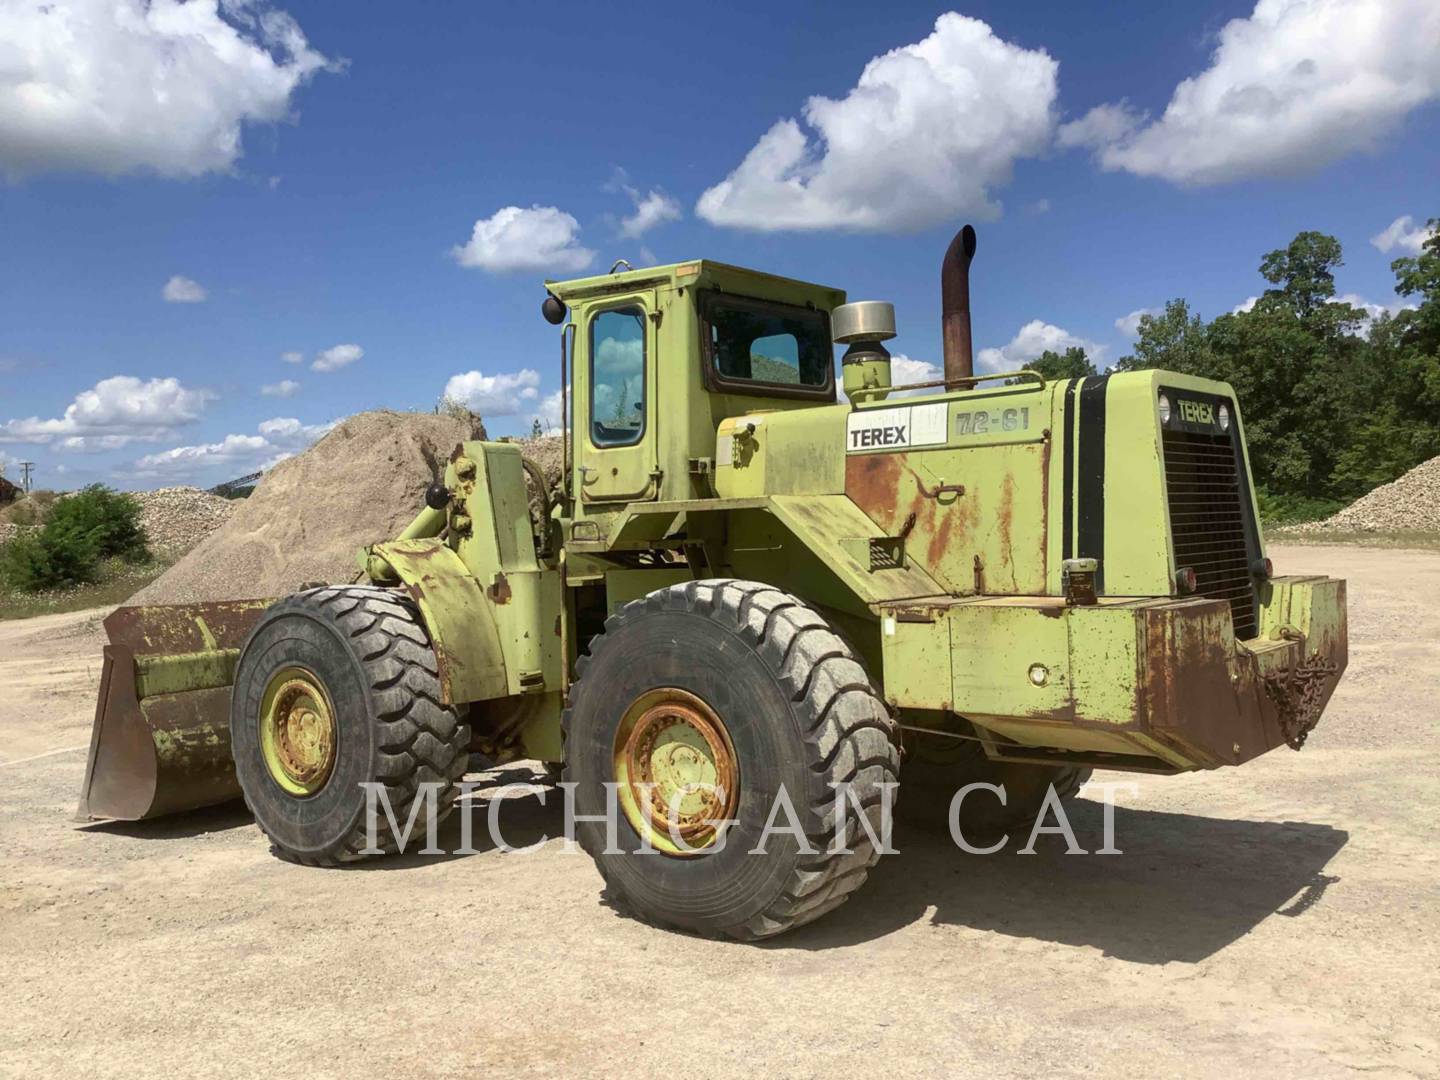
(161, 741)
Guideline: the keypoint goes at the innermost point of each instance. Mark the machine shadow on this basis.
(523, 820)
(1184, 888)
(209, 819)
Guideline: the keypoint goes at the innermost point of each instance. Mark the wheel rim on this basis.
(671, 745)
(297, 731)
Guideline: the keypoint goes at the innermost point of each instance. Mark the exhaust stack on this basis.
(955, 307)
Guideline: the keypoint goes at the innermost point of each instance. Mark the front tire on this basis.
(338, 687)
(736, 680)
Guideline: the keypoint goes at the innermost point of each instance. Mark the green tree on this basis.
(1072, 364)
(1175, 339)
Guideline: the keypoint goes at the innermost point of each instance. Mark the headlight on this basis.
(1164, 409)
(1224, 418)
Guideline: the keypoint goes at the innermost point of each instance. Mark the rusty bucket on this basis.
(161, 741)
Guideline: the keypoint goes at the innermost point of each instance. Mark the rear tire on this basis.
(364, 658)
(796, 711)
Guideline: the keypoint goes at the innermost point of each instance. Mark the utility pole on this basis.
(25, 467)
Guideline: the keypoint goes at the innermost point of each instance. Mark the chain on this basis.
(1299, 695)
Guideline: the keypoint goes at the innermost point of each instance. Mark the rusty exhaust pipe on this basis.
(955, 308)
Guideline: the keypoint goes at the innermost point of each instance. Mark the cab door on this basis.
(616, 415)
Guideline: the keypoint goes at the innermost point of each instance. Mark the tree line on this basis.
(1335, 403)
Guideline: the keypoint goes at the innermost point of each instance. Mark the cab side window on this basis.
(617, 377)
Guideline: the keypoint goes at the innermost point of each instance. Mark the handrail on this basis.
(862, 396)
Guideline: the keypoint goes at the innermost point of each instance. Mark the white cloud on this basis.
(278, 439)
(1032, 339)
(651, 209)
(183, 290)
(1402, 233)
(285, 388)
(905, 370)
(495, 395)
(1129, 325)
(1296, 85)
(543, 238)
(337, 357)
(116, 411)
(118, 86)
(923, 137)
(1248, 304)
(549, 413)
(293, 357)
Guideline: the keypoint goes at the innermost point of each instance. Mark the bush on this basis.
(1294, 509)
(89, 526)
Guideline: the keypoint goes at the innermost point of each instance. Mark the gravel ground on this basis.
(1276, 920)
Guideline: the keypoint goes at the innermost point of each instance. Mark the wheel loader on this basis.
(750, 584)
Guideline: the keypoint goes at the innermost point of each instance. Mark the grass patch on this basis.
(117, 581)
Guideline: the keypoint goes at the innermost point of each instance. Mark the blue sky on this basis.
(324, 190)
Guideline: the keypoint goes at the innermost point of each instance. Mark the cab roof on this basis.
(702, 274)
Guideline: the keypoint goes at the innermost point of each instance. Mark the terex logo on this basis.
(1197, 412)
(892, 435)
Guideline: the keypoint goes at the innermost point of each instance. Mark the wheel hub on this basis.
(297, 731)
(672, 749)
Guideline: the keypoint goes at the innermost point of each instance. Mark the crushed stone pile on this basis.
(178, 518)
(361, 484)
(9, 530)
(1409, 504)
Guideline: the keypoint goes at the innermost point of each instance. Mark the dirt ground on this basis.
(1279, 919)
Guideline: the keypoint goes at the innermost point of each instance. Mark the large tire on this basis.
(936, 768)
(368, 651)
(799, 711)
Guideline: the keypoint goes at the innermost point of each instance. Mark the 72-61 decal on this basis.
(984, 423)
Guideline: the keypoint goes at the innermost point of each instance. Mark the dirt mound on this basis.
(360, 484)
(545, 452)
(178, 518)
(1409, 504)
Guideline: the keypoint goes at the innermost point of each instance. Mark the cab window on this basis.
(760, 347)
(617, 377)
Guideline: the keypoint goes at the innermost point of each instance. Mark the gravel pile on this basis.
(8, 531)
(545, 452)
(360, 484)
(1409, 504)
(178, 518)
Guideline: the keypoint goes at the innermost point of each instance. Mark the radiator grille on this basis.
(1208, 519)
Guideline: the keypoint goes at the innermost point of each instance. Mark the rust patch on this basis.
(499, 589)
(872, 481)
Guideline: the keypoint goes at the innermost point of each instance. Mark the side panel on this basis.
(457, 614)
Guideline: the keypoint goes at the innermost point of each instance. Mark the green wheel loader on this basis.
(750, 589)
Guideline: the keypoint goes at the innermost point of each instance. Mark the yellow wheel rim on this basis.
(297, 731)
(672, 747)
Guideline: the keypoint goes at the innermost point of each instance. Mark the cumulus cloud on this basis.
(923, 137)
(293, 357)
(116, 411)
(1296, 85)
(1404, 234)
(651, 209)
(118, 86)
(549, 414)
(1248, 304)
(1032, 339)
(1129, 325)
(276, 440)
(508, 394)
(337, 357)
(542, 238)
(183, 290)
(285, 388)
